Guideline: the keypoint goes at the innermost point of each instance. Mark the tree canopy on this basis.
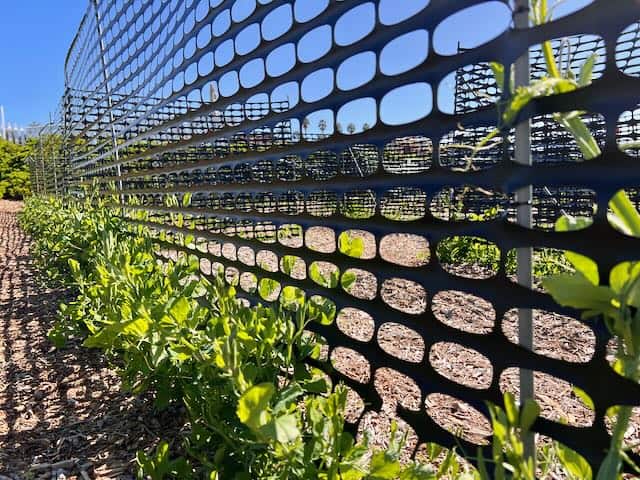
(15, 182)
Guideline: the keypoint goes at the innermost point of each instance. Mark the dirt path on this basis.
(57, 405)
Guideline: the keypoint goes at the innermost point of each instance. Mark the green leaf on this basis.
(322, 310)
(626, 214)
(267, 287)
(568, 223)
(288, 263)
(348, 279)
(586, 70)
(577, 292)
(287, 397)
(74, 265)
(138, 327)
(253, 406)
(574, 464)
(351, 246)
(180, 310)
(383, 468)
(586, 399)
(528, 414)
(286, 428)
(317, 276)
(498, 74)
(585, 266)
(510, 408)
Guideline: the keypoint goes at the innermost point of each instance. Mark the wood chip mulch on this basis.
(62, 412)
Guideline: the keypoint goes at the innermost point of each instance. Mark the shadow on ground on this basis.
(61, 411)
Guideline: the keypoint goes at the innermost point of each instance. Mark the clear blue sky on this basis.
(35, 36)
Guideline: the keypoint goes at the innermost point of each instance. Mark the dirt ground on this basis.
(63, 415)
(62, 412)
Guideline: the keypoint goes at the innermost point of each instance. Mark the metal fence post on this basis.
(524, 197)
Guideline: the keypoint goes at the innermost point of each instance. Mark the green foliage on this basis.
(14, 174)
(159, 466)
(255, 406)
(508, 455)
(618, 304)
(350, 245)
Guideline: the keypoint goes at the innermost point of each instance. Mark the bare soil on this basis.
(62, 412)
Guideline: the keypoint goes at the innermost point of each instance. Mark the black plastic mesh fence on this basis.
(298, 137)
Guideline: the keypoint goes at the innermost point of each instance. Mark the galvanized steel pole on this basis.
(524, 197)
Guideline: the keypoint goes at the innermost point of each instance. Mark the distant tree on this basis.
(14, 172)
(351, 128)
(305, 124)
(365, 126)
(322, 125)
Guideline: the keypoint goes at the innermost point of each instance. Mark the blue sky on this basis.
(35, 36)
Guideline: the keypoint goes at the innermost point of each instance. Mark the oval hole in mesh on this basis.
(554, 335)
(405, 249)
(407, 155)
(267, 260)
(468, 89)
(403, 204)
(317, 85)
(401, 342)
(458, 149)
(468, 257)
(458, 418)
(281, 60)
(468, 203)
(277, 23)
(404, 53)
(315, 44)
(359, 160)
(318, 126)
(269, 289)
(464, 311)
(320, 239)
(461, 365)
(247, 256)
(406, 104)
(397, 388)
(356, 324)
(357, 116)
(291, 235)
(455, 32)
(248, 282)
(359, 283)
(357, 244)
(404, 295)
(356, 71)
(392, 12)
(355, 24)
(322, 203)
(627, 48)
(359, 204)
(557, 399)
(351, 364)
(248, 39)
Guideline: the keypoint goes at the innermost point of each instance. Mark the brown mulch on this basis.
(556, 336)
(67, 405)
(62, 412)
